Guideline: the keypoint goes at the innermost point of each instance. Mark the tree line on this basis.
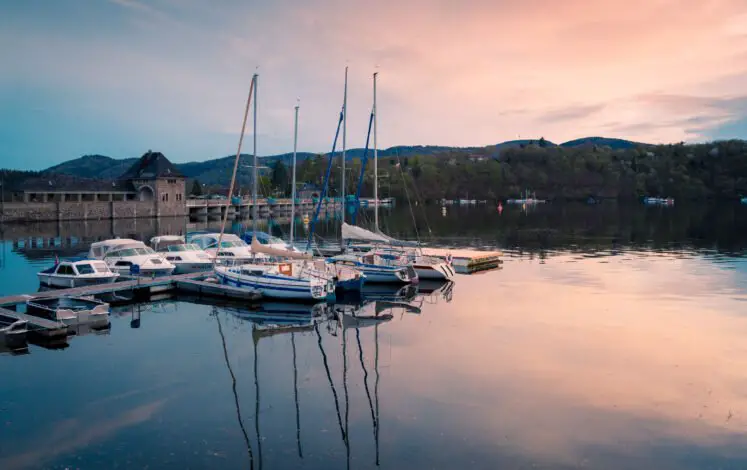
(715, 170)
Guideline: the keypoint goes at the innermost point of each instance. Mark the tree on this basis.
(196, 188)
(279, 179)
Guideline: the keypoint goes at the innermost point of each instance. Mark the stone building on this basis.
(154, 178)
(152, 187)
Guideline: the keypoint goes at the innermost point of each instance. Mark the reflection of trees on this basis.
(581, 227)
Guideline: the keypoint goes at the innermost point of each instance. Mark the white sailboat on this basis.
(298, 279)
(378, 250)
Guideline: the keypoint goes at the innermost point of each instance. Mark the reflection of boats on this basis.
(76, 273)
(69, 310)
(276, 317)
(658, 201)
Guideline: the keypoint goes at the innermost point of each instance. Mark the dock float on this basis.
(211, 289)
(42, 326)
(467, 261)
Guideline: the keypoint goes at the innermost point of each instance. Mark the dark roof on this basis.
(152, 165)
(53, 182)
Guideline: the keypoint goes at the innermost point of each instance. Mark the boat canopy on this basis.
(257, 247)
(355, 233)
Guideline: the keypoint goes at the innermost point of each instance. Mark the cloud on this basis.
(462, 74)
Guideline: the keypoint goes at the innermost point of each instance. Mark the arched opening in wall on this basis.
(145, 193)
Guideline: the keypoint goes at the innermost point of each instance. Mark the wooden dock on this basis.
(211, 289)
(466, 261)
(137, 290)
(39, 325)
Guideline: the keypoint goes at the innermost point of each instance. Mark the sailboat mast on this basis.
(376, 159)
(344, 140)
(293, 179)
(255, 209)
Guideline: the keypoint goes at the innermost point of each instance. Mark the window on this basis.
(123, 263)
(173, 258)
(165, 197)
(178, 197)
(84, 269)
(172, 181)
(66, 270)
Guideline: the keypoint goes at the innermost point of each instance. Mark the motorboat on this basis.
(187, 257)
(76, 273)
(233, 250)
(298, 280)
(70, 310)
(127, 256)
(375, 268)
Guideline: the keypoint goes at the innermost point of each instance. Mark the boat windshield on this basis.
(100, 267)
(184, 247)
(130, 252)
(84, 268)
(232, 243)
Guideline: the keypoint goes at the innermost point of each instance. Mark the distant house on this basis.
(477, 158)
(308, 191)
(153, 178)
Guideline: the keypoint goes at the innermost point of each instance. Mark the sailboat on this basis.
(365, 246)
(297, 279)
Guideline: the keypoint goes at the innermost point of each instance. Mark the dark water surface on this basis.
(612, 338)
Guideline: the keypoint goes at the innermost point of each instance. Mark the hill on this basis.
(93, 166)
(615, 144)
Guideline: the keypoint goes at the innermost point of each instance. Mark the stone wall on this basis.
(31, 211)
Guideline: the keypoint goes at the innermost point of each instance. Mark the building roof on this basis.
(55, 182)
(152, 165)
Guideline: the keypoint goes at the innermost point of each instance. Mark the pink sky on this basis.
(451, 73)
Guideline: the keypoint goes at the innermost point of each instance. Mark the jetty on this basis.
(130, 290)
(466, 261)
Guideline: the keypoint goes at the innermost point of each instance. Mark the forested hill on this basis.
(591, 167)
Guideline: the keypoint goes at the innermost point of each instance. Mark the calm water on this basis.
(612, 338)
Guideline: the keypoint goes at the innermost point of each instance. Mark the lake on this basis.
(612, 337)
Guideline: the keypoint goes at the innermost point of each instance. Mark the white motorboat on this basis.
(126, 256)
(233, 250)
(187, 257)
(69, 310)
(299, 280)
(76, 273)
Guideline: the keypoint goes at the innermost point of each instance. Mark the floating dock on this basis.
(467, 261)
(134, 290)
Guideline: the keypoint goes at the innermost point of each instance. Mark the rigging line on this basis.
(325, 183)
(331, 384)
(365, 379)
(422, 206)
(295, 393)
(409, 203)
(235, 394)
(235, 168)
(345, 388)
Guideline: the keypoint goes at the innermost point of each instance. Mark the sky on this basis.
(120, 77)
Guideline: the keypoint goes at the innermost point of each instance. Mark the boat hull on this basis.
(352, 284)
(275, 287)
(71, 281)
(438, 271)
(191, 267)
(144, 272)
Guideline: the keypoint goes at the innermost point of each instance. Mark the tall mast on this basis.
(376, 159)
(344, 141)
(293, 179)
(255, 210)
